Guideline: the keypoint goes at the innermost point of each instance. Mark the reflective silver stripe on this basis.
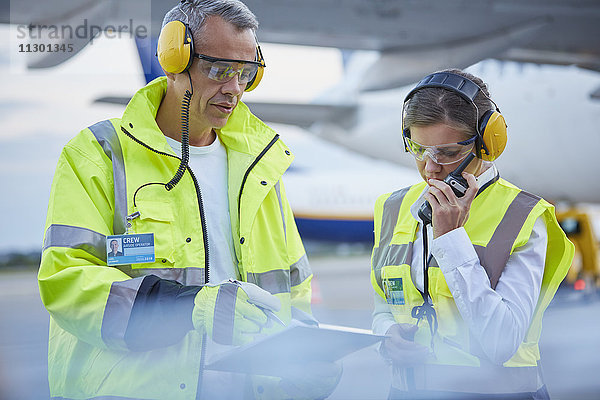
(300, 270)
(106, 136)
(185, 276)
(395, 254)
(76, 237)
(274, 281)
(487, 379)
(118, 310)
(281, 280)
(384, 254)
(278, 191)
(391, 209)
(494, 255)
(224, 314)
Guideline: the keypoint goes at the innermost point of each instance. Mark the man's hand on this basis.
(448, 211)
(401, 348)
(313, 380)
(228, 313)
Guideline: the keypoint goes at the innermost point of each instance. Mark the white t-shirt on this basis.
(209, 164)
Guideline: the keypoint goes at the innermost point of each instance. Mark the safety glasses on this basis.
(442, 154)
(223, 69)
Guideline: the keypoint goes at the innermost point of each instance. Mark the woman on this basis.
(466, 322)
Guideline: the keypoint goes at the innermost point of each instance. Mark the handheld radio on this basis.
(455, 181)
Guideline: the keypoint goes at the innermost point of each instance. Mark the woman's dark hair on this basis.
(430, 106)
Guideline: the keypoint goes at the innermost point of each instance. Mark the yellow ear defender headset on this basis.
(491, 127)
(176, 51)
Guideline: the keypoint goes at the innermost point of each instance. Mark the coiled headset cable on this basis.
(185, 136)
(185, 143)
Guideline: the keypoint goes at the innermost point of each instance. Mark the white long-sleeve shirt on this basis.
(498, 318)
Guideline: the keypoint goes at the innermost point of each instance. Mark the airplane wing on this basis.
(429, 35)
(457, 32)
(303, 114)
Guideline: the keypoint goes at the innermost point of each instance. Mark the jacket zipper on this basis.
(262, 153)
(206, 249)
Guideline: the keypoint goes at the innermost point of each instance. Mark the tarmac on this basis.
(342, 295)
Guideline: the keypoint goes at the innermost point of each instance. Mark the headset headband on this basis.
(464, 87)
(490, 125)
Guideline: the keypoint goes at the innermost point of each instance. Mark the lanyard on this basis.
(426, 310)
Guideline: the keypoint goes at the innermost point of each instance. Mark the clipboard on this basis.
(272, 355)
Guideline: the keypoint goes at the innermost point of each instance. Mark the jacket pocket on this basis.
(157, 217)
(399, 291)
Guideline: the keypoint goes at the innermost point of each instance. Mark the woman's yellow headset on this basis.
(176, 51)
(491, 127)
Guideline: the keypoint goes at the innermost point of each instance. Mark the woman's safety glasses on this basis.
(223, 69)
(442, 154)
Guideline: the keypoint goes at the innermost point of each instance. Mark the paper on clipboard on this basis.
(295, 344)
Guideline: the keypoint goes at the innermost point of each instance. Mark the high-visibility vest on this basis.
(500, 221)
(93, 190)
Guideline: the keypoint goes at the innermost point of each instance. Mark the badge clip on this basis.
(130, 218)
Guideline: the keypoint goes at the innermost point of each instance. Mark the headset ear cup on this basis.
(175, 49)
(405, 134)
(250, 86)
(492, 128)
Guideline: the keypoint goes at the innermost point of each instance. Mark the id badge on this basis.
(394, 291)
(133, 248)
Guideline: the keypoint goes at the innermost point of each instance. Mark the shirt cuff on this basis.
(453, 249)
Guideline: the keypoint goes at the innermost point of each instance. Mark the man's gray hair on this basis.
(195, 12)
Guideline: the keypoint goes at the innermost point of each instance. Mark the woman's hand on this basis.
(448, 211)
(400, 346)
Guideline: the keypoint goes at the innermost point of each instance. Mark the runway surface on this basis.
(570, 343)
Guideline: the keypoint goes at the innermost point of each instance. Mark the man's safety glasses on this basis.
(223, 69)
(442, 154)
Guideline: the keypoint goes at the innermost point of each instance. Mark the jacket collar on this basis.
(244, 132)
(139, 118)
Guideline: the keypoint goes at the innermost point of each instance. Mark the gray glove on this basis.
(233, 312)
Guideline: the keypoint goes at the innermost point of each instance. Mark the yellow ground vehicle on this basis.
(585, 270)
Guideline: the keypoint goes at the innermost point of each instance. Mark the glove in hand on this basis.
(401, 348)
(228, 312)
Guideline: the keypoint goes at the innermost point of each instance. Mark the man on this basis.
(114, 247)
(141, 330)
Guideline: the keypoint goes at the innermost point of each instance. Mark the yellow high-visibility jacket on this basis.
(126, 331)
(500, 221)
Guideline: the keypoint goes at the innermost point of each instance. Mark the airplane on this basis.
(423, 35)
(390, 44)
(540, 104)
